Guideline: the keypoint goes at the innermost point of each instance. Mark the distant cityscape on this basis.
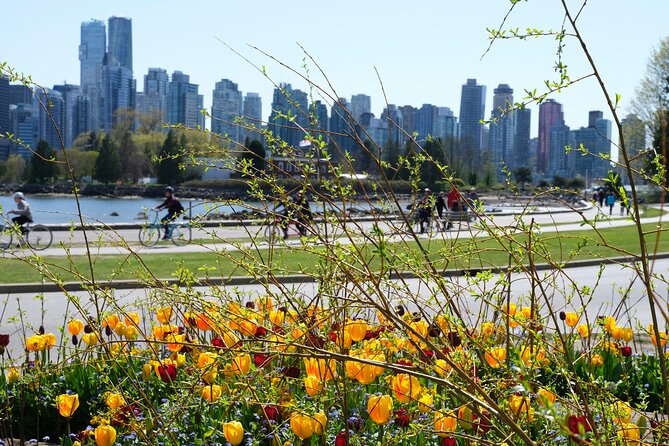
(108, 90)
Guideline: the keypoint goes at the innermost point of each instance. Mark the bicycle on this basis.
(274, 228)
(178, 231)
(38, 237)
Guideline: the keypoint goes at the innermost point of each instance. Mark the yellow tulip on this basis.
(526, 312)
(629, 433)
(13, 375)
(302, 425)
(653, 338)
(212, 393)
(50, 340)
(444, 423)
(571, 319)
(112, 321)
(242, 363)
(546, 397)
(509, 309)
(357, 329)
(496, 357)
(442, 367)
(131, 333)
(75, 326)
(90, 339)
(380, 408)
(597, 360)
(205, 359)
(36, 343)
(617, 333)
(465, 417)
(519, 405)
(210, 375)
(234, 432)
(421, 327)
(147, 372)
(627, 334)
(175, 342)
(425, 403)
(487, 329)
(622, 412)
(319, 421)
(164, 315)
(405, 387)
(277, 317)
(609, 323)
(67, 404)
(313, 385)
(105, 435)
(115, 400)
(584, 330)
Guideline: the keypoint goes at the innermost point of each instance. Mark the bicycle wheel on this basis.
(271, 233)
(39, 237)
(181, 234)
(149, 235)
(5, 237)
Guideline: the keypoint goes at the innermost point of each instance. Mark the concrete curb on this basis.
(36, 288)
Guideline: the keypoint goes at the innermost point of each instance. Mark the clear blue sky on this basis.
(424, 50)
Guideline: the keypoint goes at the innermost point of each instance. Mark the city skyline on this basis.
(414, 70)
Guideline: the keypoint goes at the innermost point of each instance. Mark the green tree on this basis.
(522, 176)
(15, 169)
(430, 171)
(254, 155)
(82, 163)
(108, 164)
(169, 160)
(43, 163)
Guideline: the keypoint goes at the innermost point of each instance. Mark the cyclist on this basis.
(425, 210)
(24, 215)
(303, 214)
(174, 209)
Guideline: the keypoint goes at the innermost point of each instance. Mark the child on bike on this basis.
(174, 209)
(24, 215)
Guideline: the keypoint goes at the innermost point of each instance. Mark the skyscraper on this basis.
(118, 92)
(634, 132)
(318, 113)
(4, 106)
(290, 114)
(502, 130)
(226, 109)
(360, 103)
(446, 124)
(24, 128)
(50, 116)
(184, 103)
(70, 94)
(119, 46)
(472, 109)
(341, 127)
(596, 139)
(395, 122)
(550, 115)
(410, 118)
(559, 163)
(153, 100)
(92, 50)
(427, 117)
(522, 151)
(252, 111)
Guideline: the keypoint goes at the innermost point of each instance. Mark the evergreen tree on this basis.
(169, 160)
(255, 154)
(43, 165)
(108, 168)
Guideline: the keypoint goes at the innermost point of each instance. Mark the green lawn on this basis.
(464, 253)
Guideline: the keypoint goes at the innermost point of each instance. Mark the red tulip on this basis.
(340, 440)
(168, 373)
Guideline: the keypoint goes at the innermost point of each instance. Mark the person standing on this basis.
(610, 201)
(425, 210)
(23, 212)
(440, 204)
(174, 209)
(601, 196)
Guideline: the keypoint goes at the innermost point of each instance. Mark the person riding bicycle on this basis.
(22, 210)
(424, 207)
(174, 209)
(303, 214)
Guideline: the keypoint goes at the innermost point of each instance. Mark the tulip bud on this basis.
(41, 329)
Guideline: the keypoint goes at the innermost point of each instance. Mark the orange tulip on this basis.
(320, 368)
(75, 326)
(496, 357)
(584, 330)
(357, 329)
(444, 423)
(571, 319)
(115, 400)
(405, 387)
(105, 435)
(212, 393)
(164, 315)
(313, 385)
(302, 425)
(546, 397)
(242, 364)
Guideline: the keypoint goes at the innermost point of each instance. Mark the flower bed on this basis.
(262, 373)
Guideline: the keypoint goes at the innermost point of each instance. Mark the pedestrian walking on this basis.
(610, 201)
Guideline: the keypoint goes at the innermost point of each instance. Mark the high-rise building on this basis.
(153, 100)
(252, 111)
(502, 130)
(71, 95)
(559, 164)
(4, 106)
(318, 113)
(290, 114)
(184, 103)
(24, 128)
(596, 139)
(92, 51)
(118, 93)
(395, 123)
(522, 149)
(550, 115)
(446, 125)
(20, 94)
(472, 109)
(119, 46)
(49, 111)
(360, 103)
(341, 127)
(226, 109)
(410, 118)
(426, 120)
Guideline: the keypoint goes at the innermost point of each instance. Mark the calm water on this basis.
(63, 209)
